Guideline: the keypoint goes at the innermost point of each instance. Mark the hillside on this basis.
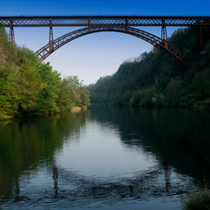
(152, 79)
(29, 87)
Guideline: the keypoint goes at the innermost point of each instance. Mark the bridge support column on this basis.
(164, 37)
(164, 34)
(89, 27)
(11, 32)
(127, 26)
(51, 43)
(163, 30)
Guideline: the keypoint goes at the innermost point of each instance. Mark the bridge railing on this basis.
(56, 21)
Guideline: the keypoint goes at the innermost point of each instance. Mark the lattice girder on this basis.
(44, 21)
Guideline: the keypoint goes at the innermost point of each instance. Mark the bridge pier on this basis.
(163, 30)
(11, 32)
(164, 34)
(51, 42)
(127, 26)
(89, 27)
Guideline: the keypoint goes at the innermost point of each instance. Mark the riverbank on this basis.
(201, 105)
(76, 109)
(204, 105)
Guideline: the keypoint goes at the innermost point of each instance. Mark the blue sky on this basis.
(98, 54)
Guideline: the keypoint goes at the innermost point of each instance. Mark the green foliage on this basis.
(152, 79)
(79, 93)
(1, 25)
(197, 201)
(28, 87)
(4, 117)
(202, 83)
(173, 91)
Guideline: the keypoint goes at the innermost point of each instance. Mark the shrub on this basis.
(197, 201)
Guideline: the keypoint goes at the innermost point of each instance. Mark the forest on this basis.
(152, 79)
(29, 87)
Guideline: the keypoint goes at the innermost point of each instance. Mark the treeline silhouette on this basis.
(152, 79)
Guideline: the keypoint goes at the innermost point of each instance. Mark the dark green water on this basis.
(104, 158)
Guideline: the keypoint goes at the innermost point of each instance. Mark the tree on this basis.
(29, 87)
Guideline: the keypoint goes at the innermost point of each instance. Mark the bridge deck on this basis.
(46, 21)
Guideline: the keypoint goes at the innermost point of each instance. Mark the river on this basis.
(104, 158)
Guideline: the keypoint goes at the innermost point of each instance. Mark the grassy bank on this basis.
(197, 201)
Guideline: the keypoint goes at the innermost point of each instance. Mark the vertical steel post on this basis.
(51, 44)
(164, 34)
(126, 24)
(89, 27)
(163, 30)
(11, 32)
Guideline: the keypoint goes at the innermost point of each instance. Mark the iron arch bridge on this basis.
(163, 45)
(123, 24)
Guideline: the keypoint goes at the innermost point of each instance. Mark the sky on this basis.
(99, 54)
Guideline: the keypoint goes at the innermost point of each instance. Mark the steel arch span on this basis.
(162, 45)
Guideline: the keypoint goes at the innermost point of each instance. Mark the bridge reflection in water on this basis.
(84, 189)
(142, 185)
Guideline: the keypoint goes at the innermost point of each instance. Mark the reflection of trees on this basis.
(26, 144)
(180, 137)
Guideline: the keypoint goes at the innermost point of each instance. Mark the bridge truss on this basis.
(122, 24)
(65, 21)
(163, 45)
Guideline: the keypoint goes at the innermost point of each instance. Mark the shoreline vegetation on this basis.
(202, 105)
(153, 80)
(31, 88)
(196, 201)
